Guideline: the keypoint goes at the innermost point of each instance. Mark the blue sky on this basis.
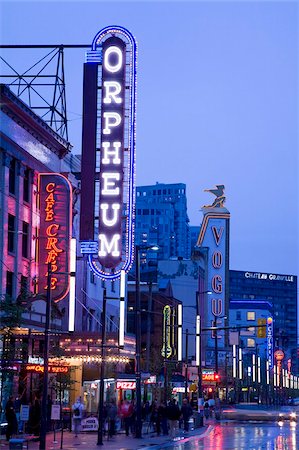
(217, 104)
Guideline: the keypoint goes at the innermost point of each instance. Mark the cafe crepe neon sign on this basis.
(54, 233)
(113, 174)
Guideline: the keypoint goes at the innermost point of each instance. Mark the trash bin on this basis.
(16, 444)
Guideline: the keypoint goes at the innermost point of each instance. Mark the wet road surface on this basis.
(239, 436)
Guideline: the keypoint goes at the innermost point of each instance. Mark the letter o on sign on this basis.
(113, 53)
(217, 259)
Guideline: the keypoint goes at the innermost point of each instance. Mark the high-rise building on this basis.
(161, 218)
(281, 292)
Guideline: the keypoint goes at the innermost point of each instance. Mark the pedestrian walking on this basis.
(77, 409)
(162, 413)
(12, 423)
(206, 410)
(126, 411)
(173, 415)
(112, 416)
(186, 412)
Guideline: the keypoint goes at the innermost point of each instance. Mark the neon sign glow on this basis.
(114, 50)
(54, 233)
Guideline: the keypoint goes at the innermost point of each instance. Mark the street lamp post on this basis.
(138, 344)
(216, 346)
(43, 428)
(138, 433)
(102, 372)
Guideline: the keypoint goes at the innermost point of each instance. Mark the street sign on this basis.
(55, 412)
(24, 413)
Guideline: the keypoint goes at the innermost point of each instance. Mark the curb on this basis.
(179, 440)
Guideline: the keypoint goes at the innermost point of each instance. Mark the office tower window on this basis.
(250, 315)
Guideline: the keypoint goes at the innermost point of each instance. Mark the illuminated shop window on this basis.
(250, 343)
(250, 315)
(251, 330)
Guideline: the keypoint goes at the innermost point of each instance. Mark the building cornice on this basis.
(20, 113)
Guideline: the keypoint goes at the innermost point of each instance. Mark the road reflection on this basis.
(257, 436)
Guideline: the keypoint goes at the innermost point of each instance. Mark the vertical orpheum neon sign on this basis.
(54, 233)
(108, 153)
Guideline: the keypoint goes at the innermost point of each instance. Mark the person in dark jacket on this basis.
(173, 415)
(186, 412)
(162, 414)
(112, 415)
(12, 424)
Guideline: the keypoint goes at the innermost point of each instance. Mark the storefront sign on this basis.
(111, 196)
(151, 380)
(166, 349)
(269, 276)
(270, 346)
(24, 413)
(126, 385)
(90, 424)
(55, 412)
(54, 233)
(38, 368)
(209, 375)
(177, 390)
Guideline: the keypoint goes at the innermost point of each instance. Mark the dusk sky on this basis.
(217, 104)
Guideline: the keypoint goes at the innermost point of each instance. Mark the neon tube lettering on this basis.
(109, 247)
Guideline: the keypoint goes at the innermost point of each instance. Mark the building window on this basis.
(238, 315)
(11, 233)
(9, 283)
(250, 343)
(12, 177)
(92, 278)
(26, 186)
(250, 315)
(25, 240)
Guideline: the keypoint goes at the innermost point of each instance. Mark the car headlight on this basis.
(293, 415)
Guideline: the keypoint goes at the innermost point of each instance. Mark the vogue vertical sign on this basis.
(54, 233)
(108, 153)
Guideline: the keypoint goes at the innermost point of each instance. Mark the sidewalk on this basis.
(88, 441)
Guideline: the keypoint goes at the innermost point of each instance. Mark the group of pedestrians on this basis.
(166, 418)
(12, 415)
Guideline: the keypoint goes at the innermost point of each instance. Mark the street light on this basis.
(138, 335)
(216, 339)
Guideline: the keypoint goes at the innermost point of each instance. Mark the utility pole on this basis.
(43, 427)
(186, 366)
(102, 371)
(138, 345)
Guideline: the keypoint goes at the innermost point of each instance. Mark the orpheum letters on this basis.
(112, 153)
